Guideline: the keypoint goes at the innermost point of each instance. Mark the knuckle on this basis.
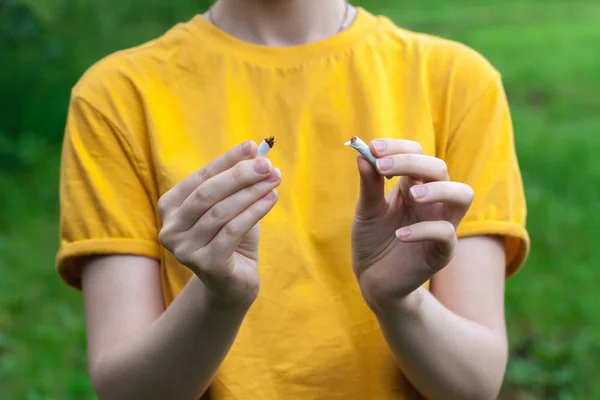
(237, 173)
(235, 154)
(231, 157)
(253, 191)
(406, 161)
(166, 237)
(163, 239)
(215, 213)
(163, 205)
(255, 212)
(230, 230)
(200, 195)
(203, 174)
(181, 254)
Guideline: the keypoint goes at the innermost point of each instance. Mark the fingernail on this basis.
(379, 145)
(275, 176)
(247, 148)
(384, 163)
(262, 166)
(403, 233)
(418, 192)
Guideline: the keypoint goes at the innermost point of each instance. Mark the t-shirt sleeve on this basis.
(480, 151)
(106, 204)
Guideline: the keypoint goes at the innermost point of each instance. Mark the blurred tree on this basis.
(41, 58)
(30, 81)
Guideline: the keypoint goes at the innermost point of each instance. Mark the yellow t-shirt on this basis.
(143, 119)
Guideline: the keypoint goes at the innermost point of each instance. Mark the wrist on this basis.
(409, 306)
(225, 303)
(228, 306)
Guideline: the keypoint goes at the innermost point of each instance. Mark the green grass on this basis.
(547, 52)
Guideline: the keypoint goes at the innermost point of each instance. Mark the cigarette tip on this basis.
(351, 141)
(270, 141)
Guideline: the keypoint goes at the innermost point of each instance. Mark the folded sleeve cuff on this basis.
(70, 270)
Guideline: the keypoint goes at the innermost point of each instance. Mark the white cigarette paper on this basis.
(265, 146)
(363, 148)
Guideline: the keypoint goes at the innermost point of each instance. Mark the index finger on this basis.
(183, 189)
(387, 147)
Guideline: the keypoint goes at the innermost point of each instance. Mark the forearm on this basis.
(444, 355)
(176, 357)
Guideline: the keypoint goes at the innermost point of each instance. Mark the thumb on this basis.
(371, 201)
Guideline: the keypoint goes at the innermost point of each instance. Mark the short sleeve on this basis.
(480, 151)
(106, 204)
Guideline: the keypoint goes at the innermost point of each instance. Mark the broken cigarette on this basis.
(356, 143)
(265, 146)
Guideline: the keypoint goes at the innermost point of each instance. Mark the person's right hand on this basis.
(210, 221)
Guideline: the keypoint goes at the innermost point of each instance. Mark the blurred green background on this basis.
(549, 54)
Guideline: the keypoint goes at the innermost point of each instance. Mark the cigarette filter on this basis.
(265, 146)
(356, 143)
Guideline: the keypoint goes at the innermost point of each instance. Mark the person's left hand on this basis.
(401, 240)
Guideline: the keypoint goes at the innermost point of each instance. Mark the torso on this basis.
(309, 335)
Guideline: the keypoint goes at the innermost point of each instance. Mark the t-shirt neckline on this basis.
(219, 40)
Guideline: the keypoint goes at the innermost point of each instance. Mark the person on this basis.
(355, 286)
